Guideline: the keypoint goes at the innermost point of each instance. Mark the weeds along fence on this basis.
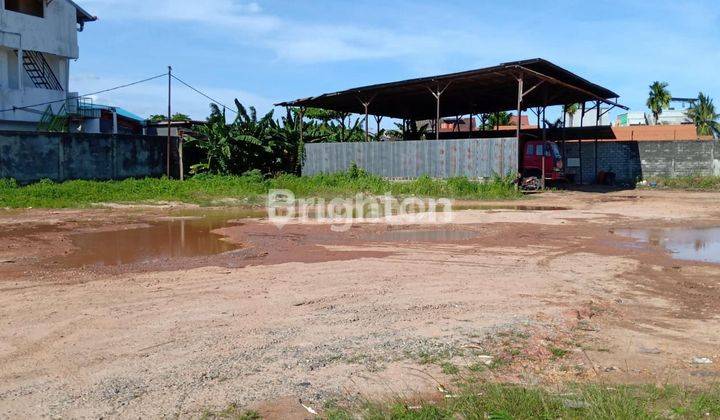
(28, 156)
(471, 158)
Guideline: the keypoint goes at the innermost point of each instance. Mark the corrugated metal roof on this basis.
(486, 90)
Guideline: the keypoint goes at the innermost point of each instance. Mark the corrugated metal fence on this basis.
(473, 158)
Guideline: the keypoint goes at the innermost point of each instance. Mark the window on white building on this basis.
(28, 7)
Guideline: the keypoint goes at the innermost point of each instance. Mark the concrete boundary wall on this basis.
(29, 157)
(635, 160)
(473, 158)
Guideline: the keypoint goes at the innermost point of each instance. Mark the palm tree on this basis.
(571, 110)
(658, 99)
(702, 112)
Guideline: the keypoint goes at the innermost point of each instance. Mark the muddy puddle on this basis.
(190, 233)
(702, 245)
(166, 239)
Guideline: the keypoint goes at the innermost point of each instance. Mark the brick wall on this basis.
(633, 160)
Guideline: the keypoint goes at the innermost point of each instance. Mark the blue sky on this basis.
(264, 52)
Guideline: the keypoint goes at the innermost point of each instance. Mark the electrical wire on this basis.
(27, 108)
(203, 94)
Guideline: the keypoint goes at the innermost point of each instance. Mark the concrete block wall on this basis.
(29, 157)
(634, 160)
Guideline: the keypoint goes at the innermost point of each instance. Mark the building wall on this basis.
(590, 119)
(473, 158)
(658, 132)
(56, 33)
(28, 96)
(635, 160)
(30, 157)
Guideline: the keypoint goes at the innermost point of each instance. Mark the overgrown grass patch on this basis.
(700, 183)
(500, 401)
(250, 188)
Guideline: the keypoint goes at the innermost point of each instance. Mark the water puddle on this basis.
(166, 239)
(424, 236)
(701, 245)
(189, 233)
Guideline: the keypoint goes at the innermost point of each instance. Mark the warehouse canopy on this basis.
(487, 90)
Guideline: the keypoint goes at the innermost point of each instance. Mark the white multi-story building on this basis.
(38, 38)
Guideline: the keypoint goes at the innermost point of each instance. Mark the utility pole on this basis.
(169, 117)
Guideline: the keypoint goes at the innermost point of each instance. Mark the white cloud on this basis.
(290, 39)
(246, 15)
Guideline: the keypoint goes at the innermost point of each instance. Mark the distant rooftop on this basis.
(120, 111)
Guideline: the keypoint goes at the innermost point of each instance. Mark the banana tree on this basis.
(290, 137)
(245, 144)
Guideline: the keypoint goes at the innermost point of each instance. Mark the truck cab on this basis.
(541, 162)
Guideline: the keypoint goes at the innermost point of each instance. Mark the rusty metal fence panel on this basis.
(473, 158)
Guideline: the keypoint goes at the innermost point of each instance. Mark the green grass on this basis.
(701, 183)
(449, 369)
(558, 353)
(233, 412)
(496, 401)
(251, 188)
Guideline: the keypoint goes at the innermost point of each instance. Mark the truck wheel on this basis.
(531, 183)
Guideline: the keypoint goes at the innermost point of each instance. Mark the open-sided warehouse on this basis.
(520, 86)
(528, 86)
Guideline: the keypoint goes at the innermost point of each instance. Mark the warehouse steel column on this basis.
(437, 94)
(366, 106)
(519, 108)
(582, 118)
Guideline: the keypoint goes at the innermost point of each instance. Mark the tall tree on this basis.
(180, 117)
(176, 117)
(658, 99)
(484, 122)
(703, 114)
(499, 118)
(571, 110)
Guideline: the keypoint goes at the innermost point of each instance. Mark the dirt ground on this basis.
(275, 320)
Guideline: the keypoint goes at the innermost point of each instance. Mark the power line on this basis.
(203, 94)
(27, 108)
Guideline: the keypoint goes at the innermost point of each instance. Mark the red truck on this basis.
(541, 161)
